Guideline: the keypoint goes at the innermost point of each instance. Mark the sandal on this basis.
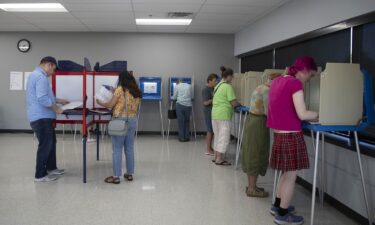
(223, 163)
(258, 188)
(128, 177)
(257, 193)
(112, 180)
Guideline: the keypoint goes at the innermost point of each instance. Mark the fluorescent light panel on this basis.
(178, 22)
(33, 7)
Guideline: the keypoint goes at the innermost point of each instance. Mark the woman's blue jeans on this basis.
(126, 142)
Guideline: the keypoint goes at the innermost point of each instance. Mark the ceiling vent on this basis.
(180, 15)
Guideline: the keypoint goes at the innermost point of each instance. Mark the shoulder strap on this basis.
(218, 87)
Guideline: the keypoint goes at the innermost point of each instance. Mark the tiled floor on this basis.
(175, 183)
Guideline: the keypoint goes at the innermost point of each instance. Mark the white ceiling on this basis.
(210, 16)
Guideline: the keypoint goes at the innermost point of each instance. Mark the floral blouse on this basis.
(259, 100)
(132, 104)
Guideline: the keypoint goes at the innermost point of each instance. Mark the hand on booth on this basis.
(62, 101)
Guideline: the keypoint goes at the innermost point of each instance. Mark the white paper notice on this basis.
(150, 87)
(27, 74)
(16, 80)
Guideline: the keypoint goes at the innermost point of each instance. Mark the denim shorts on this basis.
(208, 121)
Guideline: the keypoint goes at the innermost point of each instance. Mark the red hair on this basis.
(302, 63)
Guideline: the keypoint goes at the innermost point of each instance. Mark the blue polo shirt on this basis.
(182, 94)
(39, 96)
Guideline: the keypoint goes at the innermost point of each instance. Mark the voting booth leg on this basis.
(161, 119)
(240, 138)
(362, 177)
(97, 141)
(84, 157)
(314, 179)
(322, 173)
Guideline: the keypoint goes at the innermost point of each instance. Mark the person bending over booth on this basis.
(223, 102)
(256, 139)
(207, 95)
(182, 95)
(286, 110)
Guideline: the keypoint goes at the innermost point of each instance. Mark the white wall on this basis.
(298, 17)
(147, 54)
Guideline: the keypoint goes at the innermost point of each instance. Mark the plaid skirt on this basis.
(289, 152)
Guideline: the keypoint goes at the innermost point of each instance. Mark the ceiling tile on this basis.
(153, 14)
(113, 28)
(233, 9)
(221, 17)
(169, 1)
(96, 1)
(100, 22)
(44, 15)
(104, 15)
(245, 2)
(62, 27)
(113, 7)
(29, 1)
(163, 7)
(18, 27)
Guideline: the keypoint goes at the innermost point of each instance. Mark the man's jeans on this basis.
(183, 118)
(46, 154)
(118, 142)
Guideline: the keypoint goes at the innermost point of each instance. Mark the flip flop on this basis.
(208, 153)
(223, 163)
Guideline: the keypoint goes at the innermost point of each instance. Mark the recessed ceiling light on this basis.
(33, 7)
(178, 22)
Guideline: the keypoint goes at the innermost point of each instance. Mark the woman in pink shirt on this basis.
(286, 110)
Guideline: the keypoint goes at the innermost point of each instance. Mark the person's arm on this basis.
(109, 104)
(231, 96)
(42, 93)
(174, 97)
(206, 98)
(300, 106)
(208, 102)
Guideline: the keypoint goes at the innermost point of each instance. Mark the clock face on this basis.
(24, 45)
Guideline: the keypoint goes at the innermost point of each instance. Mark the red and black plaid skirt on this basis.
(289, 152)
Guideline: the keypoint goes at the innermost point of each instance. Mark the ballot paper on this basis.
(105, 93)
(16, 80)
(72, 105)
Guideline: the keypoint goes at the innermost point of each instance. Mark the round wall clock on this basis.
(24, 45)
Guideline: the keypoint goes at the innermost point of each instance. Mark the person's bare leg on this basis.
(209, 138)
(252, 181)
(286, 189)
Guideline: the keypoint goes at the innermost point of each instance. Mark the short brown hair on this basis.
(212, 76)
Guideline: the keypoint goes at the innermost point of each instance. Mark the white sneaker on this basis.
(56, 172)
(45, 179)
(91, 140)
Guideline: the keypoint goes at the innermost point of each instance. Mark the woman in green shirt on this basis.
(222, 110)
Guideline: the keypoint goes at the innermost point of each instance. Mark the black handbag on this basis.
(172, 114)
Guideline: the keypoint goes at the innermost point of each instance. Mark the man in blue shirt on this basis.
(41, 112)
(182, 93)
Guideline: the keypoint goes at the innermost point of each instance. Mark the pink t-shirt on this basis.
(281, 112)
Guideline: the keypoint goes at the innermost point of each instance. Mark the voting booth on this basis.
(151, 88)
(171, 89)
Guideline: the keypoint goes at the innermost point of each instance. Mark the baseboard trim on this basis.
(336, 204)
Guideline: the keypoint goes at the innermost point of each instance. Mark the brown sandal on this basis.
(128, 177)
(112, 180)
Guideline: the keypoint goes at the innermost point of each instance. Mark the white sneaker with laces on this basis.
(46, 178)
(56, 172)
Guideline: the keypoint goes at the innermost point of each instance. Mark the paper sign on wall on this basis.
(16, 81)
(150, 87)
(27, 74)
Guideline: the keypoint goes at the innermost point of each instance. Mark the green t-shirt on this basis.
(221, 107)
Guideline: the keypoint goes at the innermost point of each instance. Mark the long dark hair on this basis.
(127, 81)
